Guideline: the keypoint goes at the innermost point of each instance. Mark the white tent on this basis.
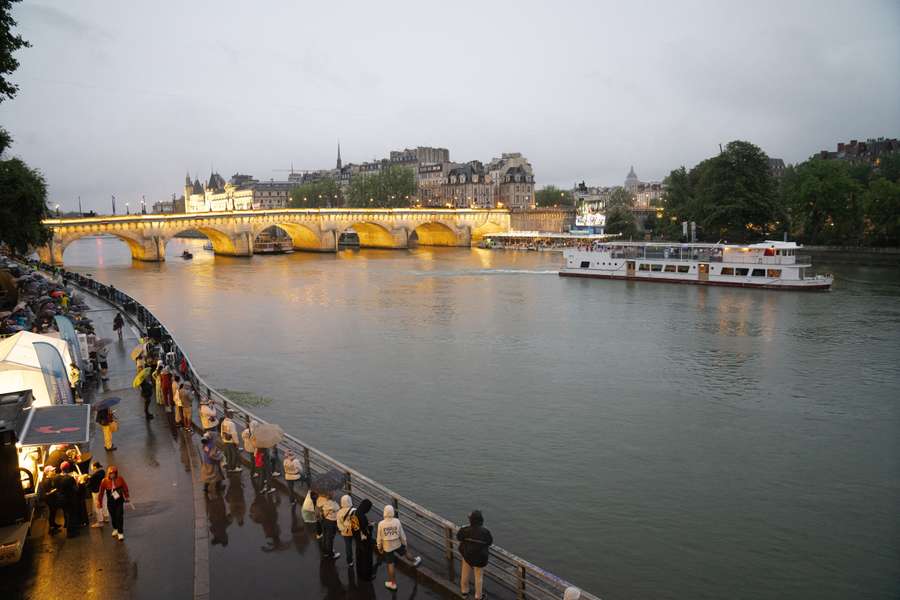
(20, 368)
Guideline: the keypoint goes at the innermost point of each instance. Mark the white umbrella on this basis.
(267, 435)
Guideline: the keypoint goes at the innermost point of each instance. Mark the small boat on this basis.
(208, 246)
(769, 265)
(187, 255)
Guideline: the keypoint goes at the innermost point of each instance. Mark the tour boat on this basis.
(187, 255)
(269, 244)
(769, 265)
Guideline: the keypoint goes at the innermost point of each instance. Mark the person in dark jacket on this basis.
(67, 488)
(474, 547)
(49, 495)
(147, 395)
(364, 541)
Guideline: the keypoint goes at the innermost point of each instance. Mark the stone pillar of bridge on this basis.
(152, 249)
(242, 242)
(51, 253)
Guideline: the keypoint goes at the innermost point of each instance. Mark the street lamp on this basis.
(127, 211)
(57, 210)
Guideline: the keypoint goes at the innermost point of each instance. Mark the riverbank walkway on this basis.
(179, 544)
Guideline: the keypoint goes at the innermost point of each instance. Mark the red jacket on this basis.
(112, 484)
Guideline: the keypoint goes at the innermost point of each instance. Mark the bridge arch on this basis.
(436, 234)
(222, 243)
(374, 235)
(302, 237)
(137, 248)
(483, 229)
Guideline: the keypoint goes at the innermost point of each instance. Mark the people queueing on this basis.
(176, 398)
(67, 488)
(186, 398)
(391, 543)
(211, 465)
(364, 542)
(75, 381)
(328, 510)
(165, 382)
(114, 490)
(348, 525)
(209, 419)
(98, 474)
(157, 383)
(474, 547)
(250, 448)
(229, 436)
(118, 324)
(293, 472)
(147, 394)
(48, 495)
(107, 422)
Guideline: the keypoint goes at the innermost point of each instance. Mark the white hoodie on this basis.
(345, 516)
(390, 532)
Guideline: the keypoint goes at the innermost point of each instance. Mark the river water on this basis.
(642, 440)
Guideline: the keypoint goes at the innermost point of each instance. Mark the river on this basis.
(642, 440)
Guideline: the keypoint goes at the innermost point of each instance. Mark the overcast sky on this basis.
(124, 97)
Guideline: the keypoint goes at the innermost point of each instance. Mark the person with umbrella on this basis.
(107, 421)
(265, 436)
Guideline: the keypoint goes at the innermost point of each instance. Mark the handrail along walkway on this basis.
(435, 536)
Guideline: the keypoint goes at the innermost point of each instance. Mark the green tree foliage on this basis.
(825, 202)
(731, 196)
(23, 192)
(9, 43)
(550, 196)
(889, 167)
(394, 187)
(621, 220)
(23, 195)
(325, 193)
(882, 206)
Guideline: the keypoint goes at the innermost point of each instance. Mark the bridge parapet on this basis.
(233, 232)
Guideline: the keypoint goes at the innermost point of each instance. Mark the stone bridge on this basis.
(316, 230)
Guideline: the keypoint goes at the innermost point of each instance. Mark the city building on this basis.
(647, 194)
(870, 150)
(173, 206)
(468, 186)
(776, 167)
(430, 177)
(631, 181)
(420, 155)
(514, 190)
(241, 192)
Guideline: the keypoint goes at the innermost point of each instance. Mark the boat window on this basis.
(741, 272)
(758, 273)
(773, 273)
(727, 271)
(656, 267)
(585, 264)
(670, 268)
(644, 267)
(683, 268)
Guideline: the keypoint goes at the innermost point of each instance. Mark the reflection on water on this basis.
(644, 440)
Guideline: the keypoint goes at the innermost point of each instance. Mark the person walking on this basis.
(229, 437)
(108, 423)
(364, 543)
(348, 525)
(98, 474)
(474, 547)
(118, 324)
(211, 468)
(209, 419)
(114, 490)
(328, 510)
(391, 543)
(293, 472)
(147, 394)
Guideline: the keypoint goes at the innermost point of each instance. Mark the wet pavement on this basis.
(257, 545)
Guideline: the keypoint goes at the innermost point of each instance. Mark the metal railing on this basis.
(433, 537)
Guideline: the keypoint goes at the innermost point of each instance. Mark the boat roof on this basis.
(765, 244)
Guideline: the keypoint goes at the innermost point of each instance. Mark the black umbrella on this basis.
(328, 482)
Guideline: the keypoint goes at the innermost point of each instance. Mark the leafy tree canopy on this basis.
(621, 220)
(317, 194)
(9, 43)
(551, 195)
(23, 205)
(394, 187)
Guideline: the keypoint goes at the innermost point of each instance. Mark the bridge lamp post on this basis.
(127, 210)
(57, 210)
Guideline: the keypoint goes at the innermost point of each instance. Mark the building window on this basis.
(727, 271)
(656, 268)
(741, 272)
(758, 273)
(644, 267)
(683, 268)
(773, 273)
(670, 268)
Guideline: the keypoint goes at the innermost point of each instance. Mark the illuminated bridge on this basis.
(316, 230)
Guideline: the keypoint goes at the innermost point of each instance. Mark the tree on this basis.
(550, 195)
(731, 196)
(882, 207)
(825, 202)
(621, 220)
(394, 187)
(9, 43)
(317, 194)
(23, 192)
(23, 206)
(620, 198)
(889, 166)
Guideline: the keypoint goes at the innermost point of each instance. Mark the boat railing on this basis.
(431, 535)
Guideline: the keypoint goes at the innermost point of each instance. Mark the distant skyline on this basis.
(122, 98)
